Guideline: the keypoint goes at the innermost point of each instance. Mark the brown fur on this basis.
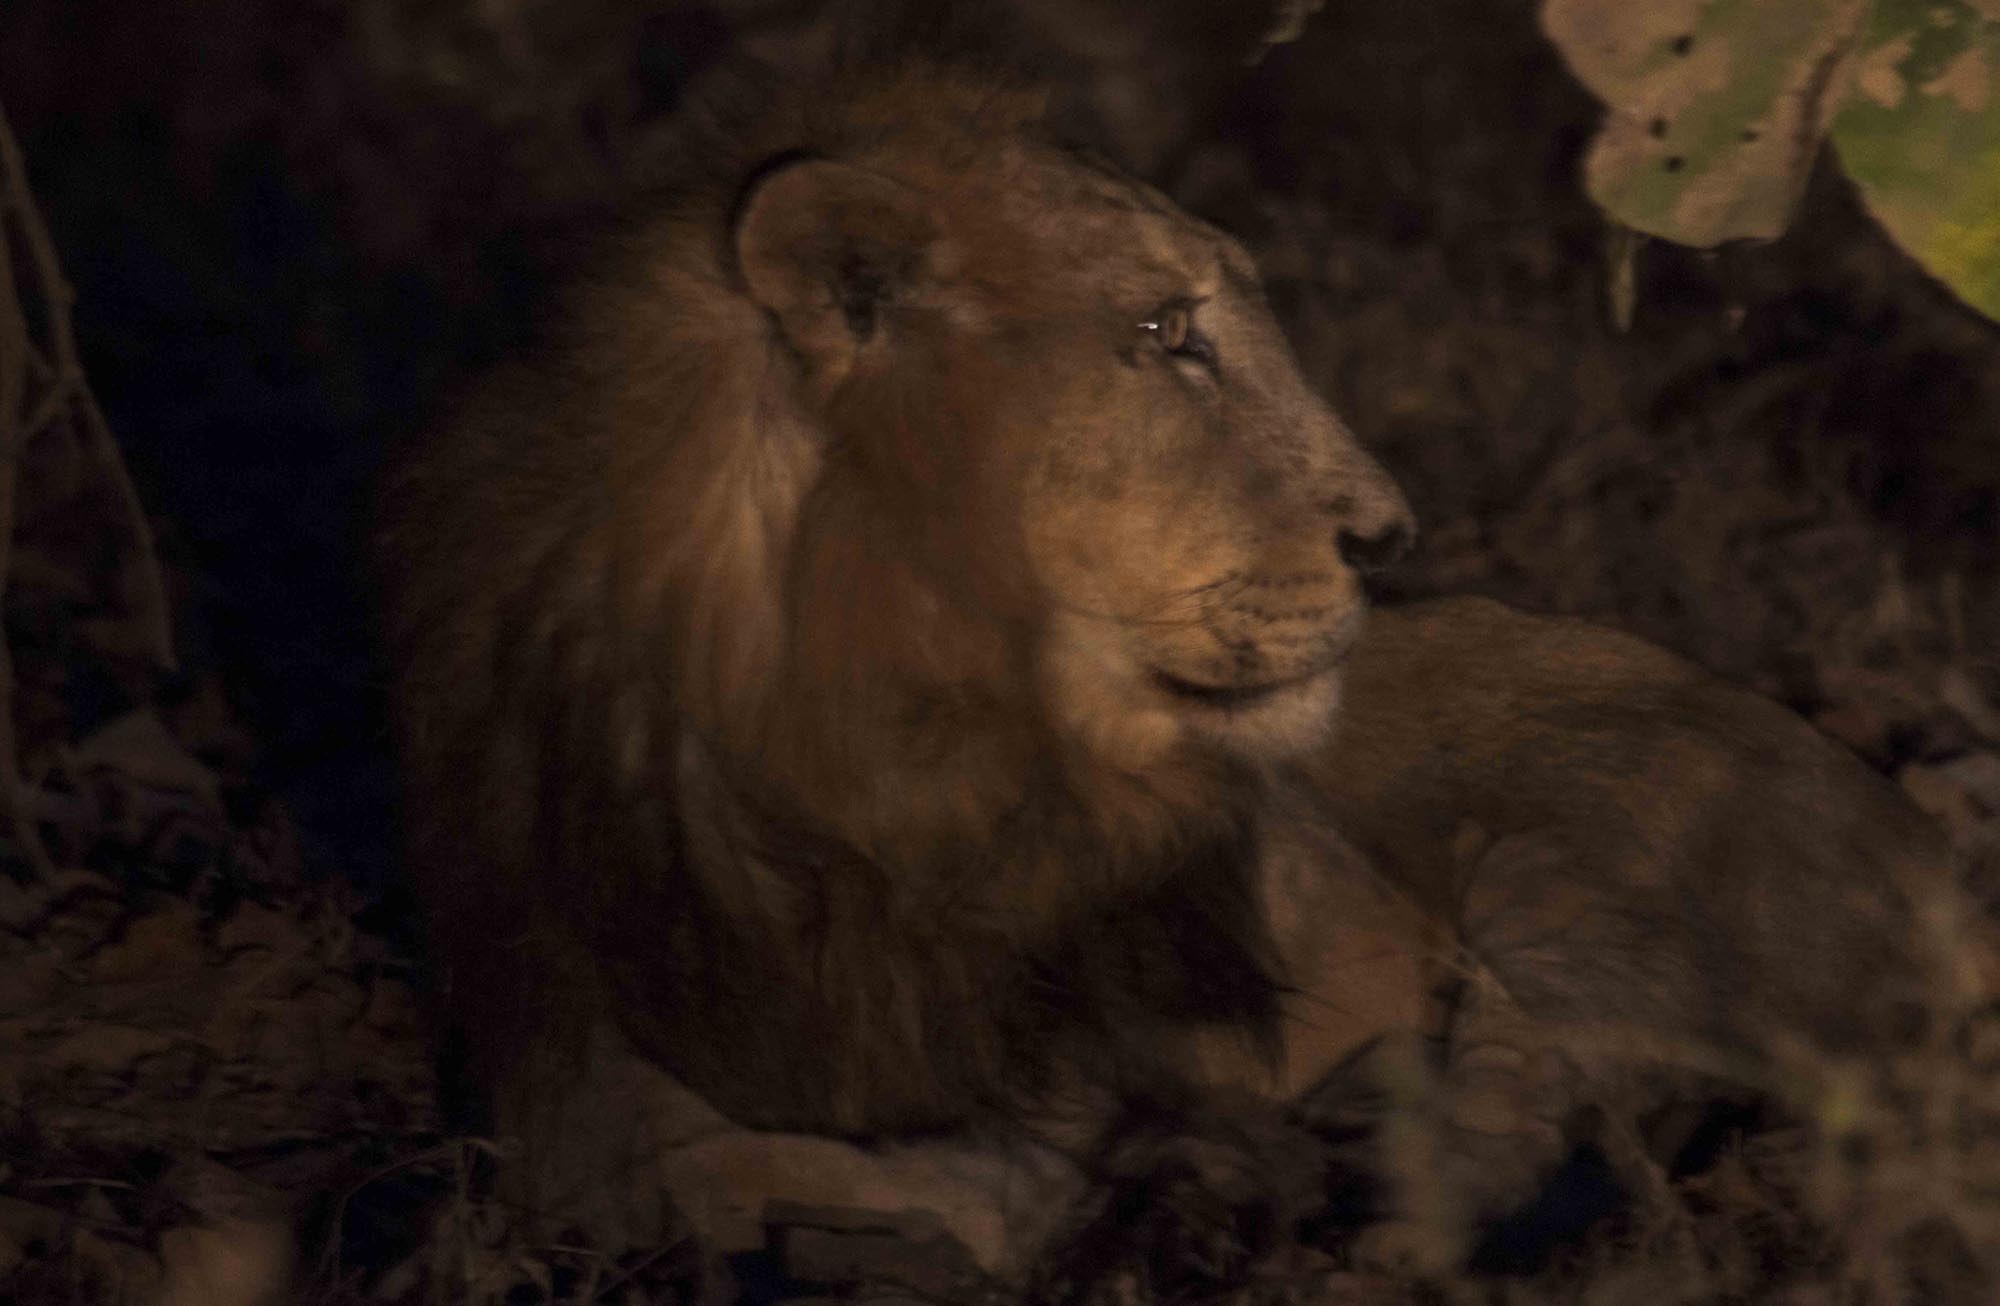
(1650, 882)
(779, 656)
(1754, 876)
(864, 664)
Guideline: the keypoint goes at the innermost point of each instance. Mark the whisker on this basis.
(1182, 608)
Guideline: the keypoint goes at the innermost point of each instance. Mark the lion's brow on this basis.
(1239, 271)
(1111, 185)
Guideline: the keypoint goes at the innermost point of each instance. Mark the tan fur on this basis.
(823, 665)
(1651, 881)
(780, 655)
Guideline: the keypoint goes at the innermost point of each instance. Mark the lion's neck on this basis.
(906, 718)
(988, 823)
(966, 980)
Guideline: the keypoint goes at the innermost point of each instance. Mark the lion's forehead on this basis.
(1071, 210)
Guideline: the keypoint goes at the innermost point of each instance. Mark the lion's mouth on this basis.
(1224, 697)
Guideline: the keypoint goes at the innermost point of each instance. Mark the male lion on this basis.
(883, 668)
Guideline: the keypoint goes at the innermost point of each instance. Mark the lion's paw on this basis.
(1189, 1213)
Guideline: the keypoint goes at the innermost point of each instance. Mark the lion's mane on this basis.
(648, 748)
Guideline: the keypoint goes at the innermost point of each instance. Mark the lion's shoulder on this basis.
(1465, 711)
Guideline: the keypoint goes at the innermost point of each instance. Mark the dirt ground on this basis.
(293, 225)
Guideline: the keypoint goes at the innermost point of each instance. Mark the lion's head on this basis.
(988, 458)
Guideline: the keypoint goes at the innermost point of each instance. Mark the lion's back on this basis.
(1545, 779)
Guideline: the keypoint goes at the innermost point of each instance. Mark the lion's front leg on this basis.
(1196, 1186)
(1467, 1130)
(622, 1151)
(1565, 995)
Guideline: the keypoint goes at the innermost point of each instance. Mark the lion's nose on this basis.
(1373, 526)
(1378, 548)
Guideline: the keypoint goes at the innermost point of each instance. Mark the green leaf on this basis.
(1920, 136)
(1715, 108)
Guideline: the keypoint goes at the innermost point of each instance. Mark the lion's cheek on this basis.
(1131, 550)
(1098, 698)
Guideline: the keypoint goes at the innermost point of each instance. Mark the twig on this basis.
(14, 354)
(1287, 21)
(636, 1269)
(67, 386)
(453, 1149)
(48, 377)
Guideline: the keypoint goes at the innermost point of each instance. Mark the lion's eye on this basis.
(1173, 327)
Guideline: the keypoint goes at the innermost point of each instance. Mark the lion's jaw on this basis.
(1112, 694)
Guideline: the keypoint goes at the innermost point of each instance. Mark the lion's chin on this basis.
(1266, 720)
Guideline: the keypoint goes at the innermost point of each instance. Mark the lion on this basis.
(896, 668)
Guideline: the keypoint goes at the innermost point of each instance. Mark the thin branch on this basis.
(47, 378)
(144, 589)
(56, 292)
(15, 352)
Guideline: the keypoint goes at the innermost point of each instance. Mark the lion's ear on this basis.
(825, 247)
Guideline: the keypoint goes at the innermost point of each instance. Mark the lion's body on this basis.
(871, 660)
(1653, 886)
(1738, 874)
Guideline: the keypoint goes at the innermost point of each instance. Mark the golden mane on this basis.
(598, 609)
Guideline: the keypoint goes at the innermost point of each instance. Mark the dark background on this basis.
(293, 225)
